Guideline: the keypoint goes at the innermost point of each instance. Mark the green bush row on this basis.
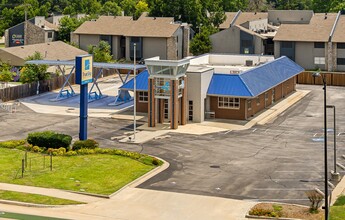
(49, 139)
(88, 144)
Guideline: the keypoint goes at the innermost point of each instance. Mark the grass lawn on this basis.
(337, 211)
(35, 198)
(97, 173)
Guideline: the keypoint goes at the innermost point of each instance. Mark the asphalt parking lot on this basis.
(275, 162)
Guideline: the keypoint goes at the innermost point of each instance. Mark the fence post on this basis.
(51, 161)
(26, 159)
(23, 168)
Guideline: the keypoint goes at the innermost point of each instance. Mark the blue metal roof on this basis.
(255, 81)
(226, 84)
(141, 81)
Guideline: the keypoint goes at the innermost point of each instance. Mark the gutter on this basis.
(334, 27)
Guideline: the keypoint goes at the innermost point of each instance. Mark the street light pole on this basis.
(135, 91)
(335, 174)
(325, 139)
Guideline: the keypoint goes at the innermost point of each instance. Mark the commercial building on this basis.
(33, 31)
(154, 36)
(212, 86)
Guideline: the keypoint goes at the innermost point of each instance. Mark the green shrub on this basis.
(12, 143)
(266, 212)
(85, 151)
(57, 152)
(49, 139)
(155, 161)
(88, 144)
(71, 153)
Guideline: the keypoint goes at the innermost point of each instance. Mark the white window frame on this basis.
(319, 60)
(249, 105)
(143, 96)
(228, 102)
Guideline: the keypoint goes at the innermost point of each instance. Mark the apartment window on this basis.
(341, 45)
(249, 105)
(319, 60)
(143, 97)
(340, 61)
(228, 102)
(50, 35)
(287, 44)
(258, 100)
(319, 45)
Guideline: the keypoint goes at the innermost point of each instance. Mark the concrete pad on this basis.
(143, 136)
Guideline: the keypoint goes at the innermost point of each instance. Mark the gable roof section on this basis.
(224, 84)
(255, 81)
(56, 50)
(126, 26)
(339, 33)
(318, 30)
(141, 82)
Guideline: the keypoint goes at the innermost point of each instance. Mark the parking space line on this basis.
(283, 189)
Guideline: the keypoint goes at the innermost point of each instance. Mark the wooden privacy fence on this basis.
(332, 79)
(30, 89)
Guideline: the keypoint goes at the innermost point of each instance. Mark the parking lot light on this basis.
(324, 81)
(335, 174)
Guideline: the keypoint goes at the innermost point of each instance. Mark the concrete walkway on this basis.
(62, 194)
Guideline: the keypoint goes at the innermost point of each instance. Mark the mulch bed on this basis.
(292, 211)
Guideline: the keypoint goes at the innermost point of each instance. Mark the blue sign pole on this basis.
(83, 112)
(84, 65)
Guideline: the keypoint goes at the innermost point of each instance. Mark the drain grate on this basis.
(215, 166)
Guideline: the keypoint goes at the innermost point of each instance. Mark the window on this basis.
(190, 111)
(287, 44)
(143, 97)
(266, 96)
(319, 60)
(50, 35)
(341, 61)
(258, 100)
(249, 105)
(319, 45)
(341, 45)
(228, 102)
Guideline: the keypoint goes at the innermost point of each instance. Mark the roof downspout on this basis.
(235, 18)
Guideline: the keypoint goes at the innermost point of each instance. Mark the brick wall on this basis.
(171, 48)
(34, 34)
(227, 113)
(141, 106)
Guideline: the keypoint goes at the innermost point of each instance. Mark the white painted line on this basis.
(341, 166)
(330, 184)
(254, 130)
(276, 199)
(343, 156)
(297, 171)
(296, 179)
(266, 130)
(315, 135)
(227, 131)
(277, 189)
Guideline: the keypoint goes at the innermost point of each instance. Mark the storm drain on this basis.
(215, 166)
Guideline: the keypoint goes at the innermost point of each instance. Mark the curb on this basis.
(145, 177)
(265, 217)
(337, 191)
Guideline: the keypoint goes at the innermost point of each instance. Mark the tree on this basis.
(140, 7)
(101, 53)
(111, 8)
(68, 25)
(128, 6)
(201, 42)
(31, 72)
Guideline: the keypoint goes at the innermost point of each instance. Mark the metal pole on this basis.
(335, 143)
(135, 91)
(325, 144)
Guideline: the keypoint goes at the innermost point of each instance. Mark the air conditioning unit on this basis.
(249, 62)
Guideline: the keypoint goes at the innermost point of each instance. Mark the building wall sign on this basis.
(16, 35)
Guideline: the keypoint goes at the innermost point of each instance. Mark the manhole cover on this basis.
(70, 109)
(215, 166)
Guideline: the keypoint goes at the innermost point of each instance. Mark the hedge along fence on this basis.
(332, 78)
(30, 89)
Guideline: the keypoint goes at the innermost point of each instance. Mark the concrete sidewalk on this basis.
(62, 194)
